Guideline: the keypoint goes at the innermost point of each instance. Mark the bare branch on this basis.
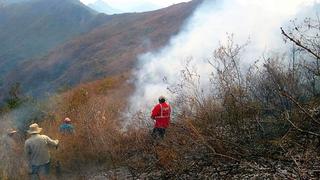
(294, 160)
(298, 43)
(299, 129)
(299, 106)
(194, 129)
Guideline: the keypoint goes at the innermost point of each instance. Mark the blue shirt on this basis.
(66, 128)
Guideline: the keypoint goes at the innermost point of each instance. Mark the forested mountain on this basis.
(108, 50)
(30, 28)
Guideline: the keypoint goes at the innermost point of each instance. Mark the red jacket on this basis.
(161, 113)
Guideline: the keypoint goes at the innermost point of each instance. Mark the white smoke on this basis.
(257, 20)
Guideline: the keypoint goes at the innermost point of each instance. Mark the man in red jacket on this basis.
(161, 114)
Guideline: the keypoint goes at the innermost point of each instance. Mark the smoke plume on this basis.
(256, 21)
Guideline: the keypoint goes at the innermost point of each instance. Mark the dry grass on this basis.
(99, 140)
(95, 110)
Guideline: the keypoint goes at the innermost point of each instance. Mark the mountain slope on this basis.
(108, 50)
(31, 28)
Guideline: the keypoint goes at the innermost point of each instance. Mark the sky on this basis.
(129, 5)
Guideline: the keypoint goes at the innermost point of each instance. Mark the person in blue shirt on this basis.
(66, 127)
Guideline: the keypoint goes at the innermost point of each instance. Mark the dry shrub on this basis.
(182, 148)
(94, 109)
(248, 110)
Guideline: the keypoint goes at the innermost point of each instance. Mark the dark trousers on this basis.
(40, 171)
(158, 133)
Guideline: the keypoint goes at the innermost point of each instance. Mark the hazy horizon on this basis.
(137, 5)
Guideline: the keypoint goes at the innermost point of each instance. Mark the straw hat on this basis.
(67, 120)
(11, 132)
(34, 129)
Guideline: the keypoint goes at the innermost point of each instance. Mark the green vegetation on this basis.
(15, 98)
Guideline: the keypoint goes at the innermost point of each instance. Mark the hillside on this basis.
(30, 28)
(108, 50)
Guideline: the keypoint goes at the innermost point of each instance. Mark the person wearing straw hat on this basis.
(11, 140)
(66, 127)
(10, 154)
(37, 152)
(11, 132)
